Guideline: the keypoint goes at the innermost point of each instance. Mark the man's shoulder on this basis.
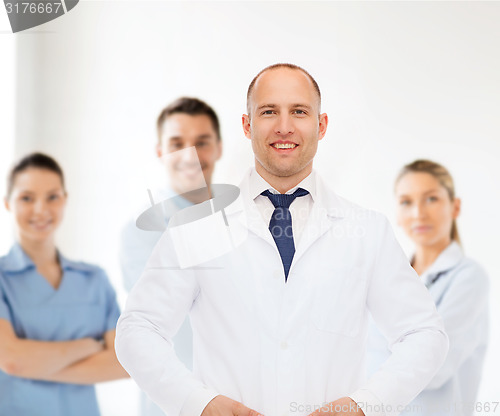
(338, 206)
(133, 237)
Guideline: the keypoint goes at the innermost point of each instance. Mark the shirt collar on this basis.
(73, 265)
(258, 185)
(17, 261)
(162, 194)
(447, 260)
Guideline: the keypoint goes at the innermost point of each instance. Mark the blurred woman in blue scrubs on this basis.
(427, 209)
(57, 316)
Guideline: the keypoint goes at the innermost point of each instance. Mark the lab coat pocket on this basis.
(340, 301)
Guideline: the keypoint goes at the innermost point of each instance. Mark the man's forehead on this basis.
(183, 122)
(284, 85)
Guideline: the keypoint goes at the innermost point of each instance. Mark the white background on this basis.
(400, 80)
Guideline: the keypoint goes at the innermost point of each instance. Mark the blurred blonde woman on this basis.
(57, 316)
(427, 210)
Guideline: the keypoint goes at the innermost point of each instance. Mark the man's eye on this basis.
(53, 197)
(404, 202)
(300, 112)
(267, 112)
(432, 199)
(175, 145)
(201, 144)
(26, 198)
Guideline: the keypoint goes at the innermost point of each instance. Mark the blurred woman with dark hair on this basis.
(57, 316)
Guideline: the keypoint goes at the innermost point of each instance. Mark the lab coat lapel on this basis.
(325, 212)
(248, 214)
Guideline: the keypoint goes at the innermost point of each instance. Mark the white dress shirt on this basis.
(283, 348)
(299, 208)
(459, 287)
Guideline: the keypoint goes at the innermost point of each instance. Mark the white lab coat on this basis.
(283, 348)
(460, 289)
(136, 246)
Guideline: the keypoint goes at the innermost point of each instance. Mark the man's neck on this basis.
(196, 196)
(283, 183)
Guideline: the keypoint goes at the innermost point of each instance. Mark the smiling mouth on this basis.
(189, 170)
(284, 146)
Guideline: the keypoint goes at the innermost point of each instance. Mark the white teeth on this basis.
(284, 145)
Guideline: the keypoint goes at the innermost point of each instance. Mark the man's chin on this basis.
(188, 182)
(285, 171)
(188, 186)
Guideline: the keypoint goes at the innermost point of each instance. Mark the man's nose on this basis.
(190, 155)
(284, 125)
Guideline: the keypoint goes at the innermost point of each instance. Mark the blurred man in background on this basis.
(189, 144)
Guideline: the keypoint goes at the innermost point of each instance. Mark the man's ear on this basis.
(245, 121)
(323, 124)
(220, 148)
(6, 204)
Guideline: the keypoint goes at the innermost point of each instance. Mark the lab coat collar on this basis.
(324, 198)
(327, 207)
(447, 260)
(246, 210)
(17, 261)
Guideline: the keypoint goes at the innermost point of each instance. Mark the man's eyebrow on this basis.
(174, 138)
(301, 106)
(204, 136)
(260, 107)
(292, 106)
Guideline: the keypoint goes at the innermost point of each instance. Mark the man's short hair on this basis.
(191, 106)
(277, 66)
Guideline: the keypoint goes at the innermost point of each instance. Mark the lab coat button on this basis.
(284, 345)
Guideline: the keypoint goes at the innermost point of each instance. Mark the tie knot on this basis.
(284, 200)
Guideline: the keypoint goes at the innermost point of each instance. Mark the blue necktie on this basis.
(281, 225)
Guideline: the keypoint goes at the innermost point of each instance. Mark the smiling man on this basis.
(280, 322)
(189, 145)
(189, 123)
(284, 144)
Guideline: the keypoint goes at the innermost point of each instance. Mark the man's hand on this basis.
(341, 407)
(224, 406)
